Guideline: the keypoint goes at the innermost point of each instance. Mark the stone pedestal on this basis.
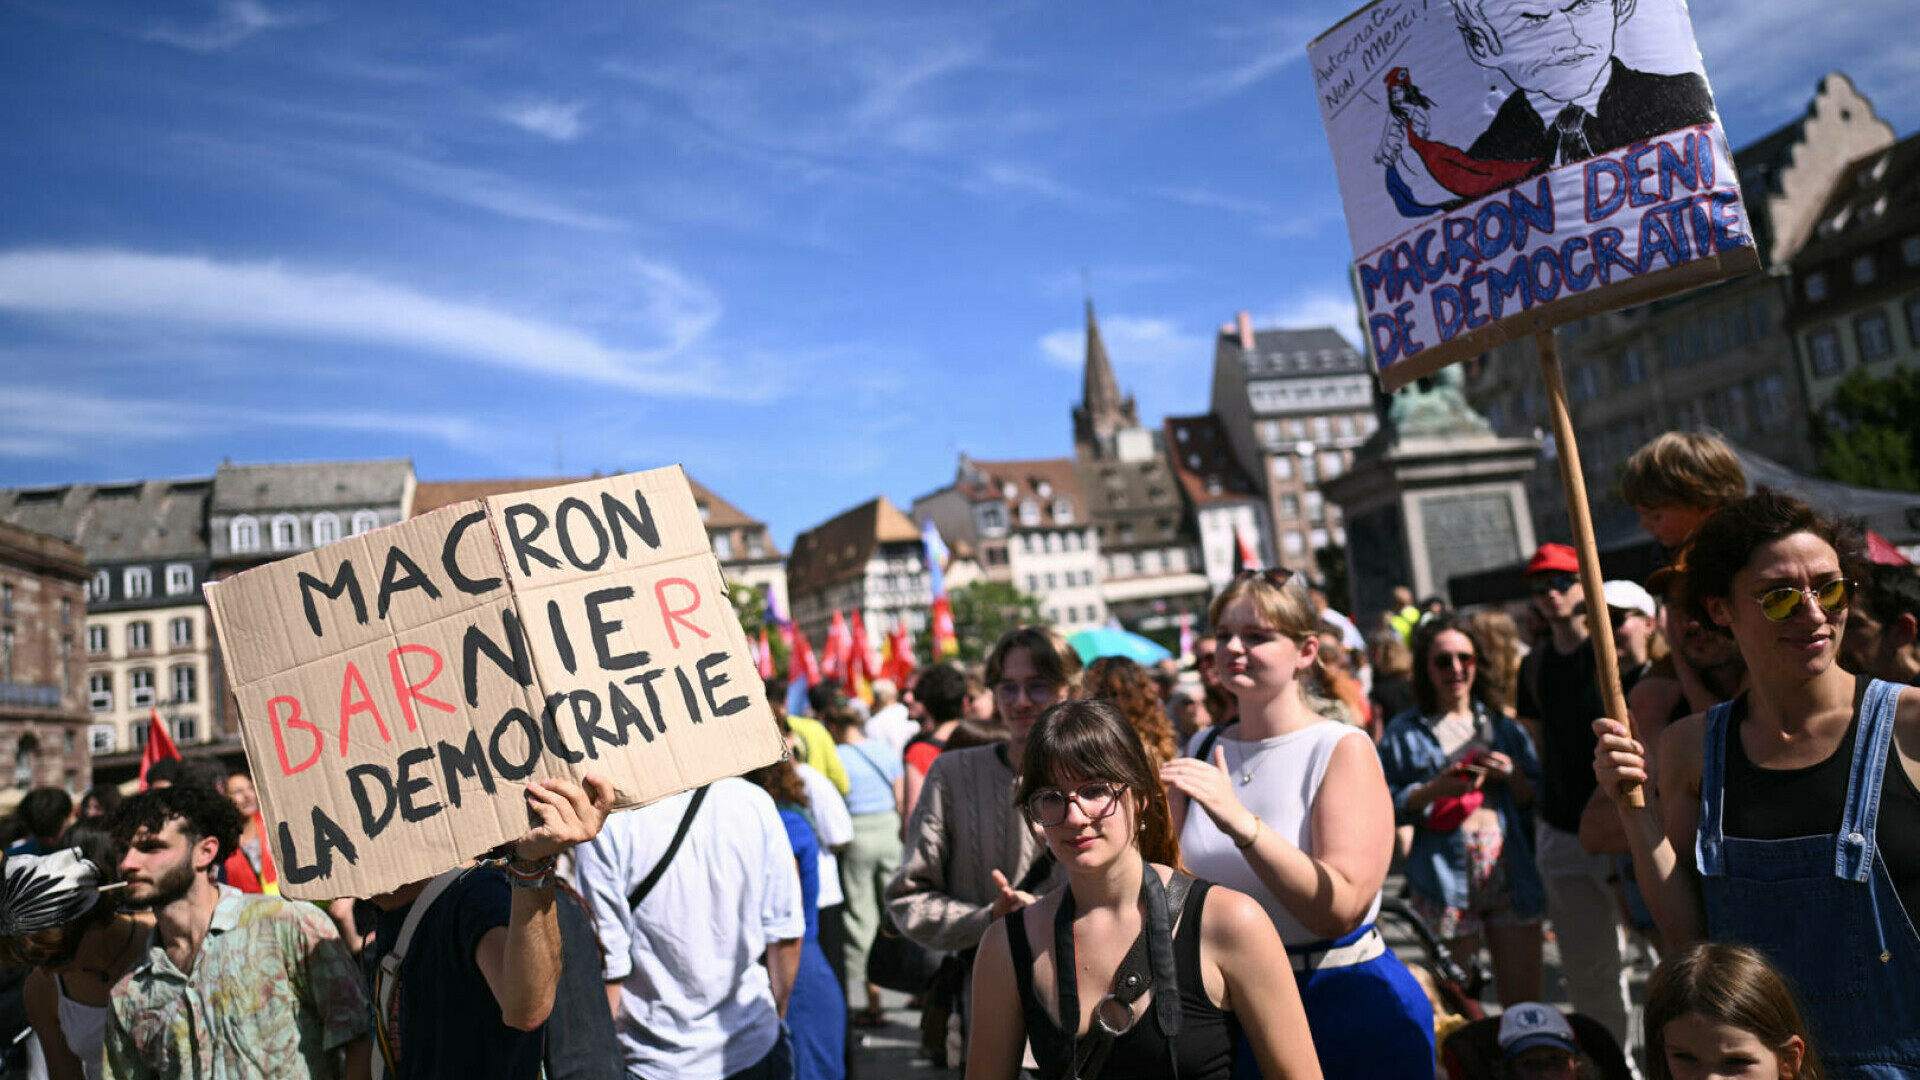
(1422, 509)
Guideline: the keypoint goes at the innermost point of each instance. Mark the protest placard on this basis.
(1510, 165)
(398, 689)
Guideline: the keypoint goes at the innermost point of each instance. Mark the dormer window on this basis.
(286, 532)
(1029, 512)
(244, 534)
(1062, 511)
(365, 521)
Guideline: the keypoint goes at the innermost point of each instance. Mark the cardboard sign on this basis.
(1509, 165)
(398, 689)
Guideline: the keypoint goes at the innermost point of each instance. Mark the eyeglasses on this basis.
(1097, 800)
(1559, 583)
(1036, 690)
(1780, 604)
(1276, 577)
(1203, 658)
(1448, 660)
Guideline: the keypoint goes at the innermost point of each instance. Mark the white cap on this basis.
(1532, 1024)
(1628, 596)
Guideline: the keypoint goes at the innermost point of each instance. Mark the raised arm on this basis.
(1660, 834)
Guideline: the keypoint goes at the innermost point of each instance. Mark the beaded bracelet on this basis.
(533, 874)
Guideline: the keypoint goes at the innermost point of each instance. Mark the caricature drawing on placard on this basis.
(1569, 98)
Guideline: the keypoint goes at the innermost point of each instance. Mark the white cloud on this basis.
(551, 119)
(674, 313)
(1317, 308)
(1134, 344)
(1768, 54)
(1001, 177)
(237, 21)
(1270, 220)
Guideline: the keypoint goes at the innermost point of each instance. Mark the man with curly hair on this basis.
(232, 987)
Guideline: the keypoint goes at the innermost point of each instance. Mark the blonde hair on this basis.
(1286, 609)
(1683, 468)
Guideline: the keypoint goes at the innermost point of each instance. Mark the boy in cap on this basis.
(1537, 1042)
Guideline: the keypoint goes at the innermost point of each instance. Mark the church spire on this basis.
(1102, 411)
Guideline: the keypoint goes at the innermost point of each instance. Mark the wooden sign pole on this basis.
(1591, 581)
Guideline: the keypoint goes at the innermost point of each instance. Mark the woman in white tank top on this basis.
(1294, 811)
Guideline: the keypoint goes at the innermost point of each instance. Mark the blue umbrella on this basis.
(1113, 641)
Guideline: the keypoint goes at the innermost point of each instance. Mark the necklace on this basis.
(1250, 763)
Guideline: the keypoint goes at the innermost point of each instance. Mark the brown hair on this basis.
(1683, 468)
(1725, 542)
(1088, 738)
(1727, 984)
(970, 733)
(1125, 683)
(1052, 657)
(1424, 694)
(1500, 639)
(782, 781)
(1391, 657)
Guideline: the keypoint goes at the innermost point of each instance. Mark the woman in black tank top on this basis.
(1135, 969)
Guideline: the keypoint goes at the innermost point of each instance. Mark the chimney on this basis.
(1246, 331)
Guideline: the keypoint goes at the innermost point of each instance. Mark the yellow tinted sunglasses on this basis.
(1780, 604)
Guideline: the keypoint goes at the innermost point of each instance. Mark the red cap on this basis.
(1553, 559)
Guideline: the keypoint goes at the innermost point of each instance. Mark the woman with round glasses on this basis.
(1294, 811)
(1788, 819)
(1463, 773)
(1135, 969)
(970, 858)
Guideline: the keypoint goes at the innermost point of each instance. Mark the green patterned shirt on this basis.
(273, 993)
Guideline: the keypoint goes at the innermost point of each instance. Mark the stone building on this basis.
(1294, 405)
(147, 632)
(1149, 560)
(747, 554)
(868, 559)
(1856, 284)
(1030, 525)
(1718, 358)
(43, 715)
(1224, 503)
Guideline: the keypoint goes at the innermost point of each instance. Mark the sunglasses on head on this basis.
(1559, 583)
(1781, 604)
(1276, 577)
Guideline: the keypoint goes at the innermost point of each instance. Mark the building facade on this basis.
(146, 643)
(1855, 295)
(1294, 405)
(1029, 522)
(1224, 504)
(43, 612)
(1719, 358)
(1149, 558)
(868, 559)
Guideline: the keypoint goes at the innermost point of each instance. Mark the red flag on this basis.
(801, 662)
(1246, 556)
(765, 655)
(945, 642)
(900, 659)
(836, 657)
(159, 747)
(866, 658)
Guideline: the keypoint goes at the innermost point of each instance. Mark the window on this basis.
(1913, 321)
(186, 729)
(992, 519)
(1770, 397)
(1053, 543)
(136, 582)
(1307, 470)
(139, 636)
(1331, 465)
(100, 691)
(756, 546)
(1063, 511)
(365, 521)
(1670, 344)
(179, 579)
(1823, 349)
(1815, 286)
(1293, 543)
(1033, 583)
(1029, 512)
(100, 738)
(66, 611)
(1322, 429)
(66, 664)
(183, 684)
(1053, 580)
(1122, 564)
(1318, 539)
(1696, 343)
(1863, 269)
(244, 534)
(6, 599)
(1283, 467)
(1872, 335)
(1053, 615)
(6, 655)
(723, 546)
(1585, 384)
(180, 632)
(1316, 507)
(286, 532)
(1742, 329)
(326, 529)
(1760, 314)
(140, 688)
(96, 639)
(1716, 335)
(137, 735)
(1633, 366)
(23, 762)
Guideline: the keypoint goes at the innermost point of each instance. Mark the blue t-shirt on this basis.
(872, 767)
(450, 1024)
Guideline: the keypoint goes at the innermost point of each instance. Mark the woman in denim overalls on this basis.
(1822, 906)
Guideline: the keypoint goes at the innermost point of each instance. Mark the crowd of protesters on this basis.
(1112, 870)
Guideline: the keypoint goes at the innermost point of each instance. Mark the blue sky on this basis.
(811, 251)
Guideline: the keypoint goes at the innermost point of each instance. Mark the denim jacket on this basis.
(1437, 865)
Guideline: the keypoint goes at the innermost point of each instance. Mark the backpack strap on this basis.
(641, 890)
(386, 978)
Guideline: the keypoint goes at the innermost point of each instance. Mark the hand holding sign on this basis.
(566, 815)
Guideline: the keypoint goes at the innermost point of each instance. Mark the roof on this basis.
(1139, 493)
(433, 494)
(143, 519)
(41, 553)
(1877, 194)
(1204, 462)
(1317, 350)
(310, 485)
(1044, 480)
(839, 548)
